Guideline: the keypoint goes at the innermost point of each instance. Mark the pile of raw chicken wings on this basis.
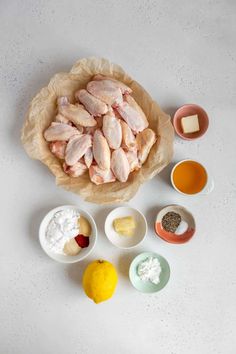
(105, 132)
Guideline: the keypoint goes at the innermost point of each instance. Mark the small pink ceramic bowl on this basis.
(189, 110)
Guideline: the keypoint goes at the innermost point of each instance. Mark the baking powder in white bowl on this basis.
(60, 225)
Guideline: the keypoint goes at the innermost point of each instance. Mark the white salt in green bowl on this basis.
(148, 286)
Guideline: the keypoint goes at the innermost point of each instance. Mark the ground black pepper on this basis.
(171, 221)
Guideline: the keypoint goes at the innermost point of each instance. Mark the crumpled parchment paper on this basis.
(42, 111)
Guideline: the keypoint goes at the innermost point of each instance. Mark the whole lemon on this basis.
(100, 280)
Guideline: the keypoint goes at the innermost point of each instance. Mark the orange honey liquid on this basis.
(190, 177)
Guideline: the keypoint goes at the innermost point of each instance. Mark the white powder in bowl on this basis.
(182, 228)
(150, 270)
(62, 227)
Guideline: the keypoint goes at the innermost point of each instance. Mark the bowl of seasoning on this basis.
(149, 272)
(175, 224)
(67, 234)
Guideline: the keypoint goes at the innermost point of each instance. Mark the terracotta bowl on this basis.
(188, 110)
(172, 237)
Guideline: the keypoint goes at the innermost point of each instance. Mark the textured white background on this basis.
(180, 51)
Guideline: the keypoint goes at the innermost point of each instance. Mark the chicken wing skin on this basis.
(124, 88)
(145, 141)
(100, 176)
(76, 170)
(76, 148)
(93, 105)
(75, 113)
(58, 148)
(132, 114)
(128, 138)
(106, 91)
(112, 130)
(120, 165)
(133, 160)
(101, 150)
(61, 119)
(88, 157)
(60, 131)
(131, 101)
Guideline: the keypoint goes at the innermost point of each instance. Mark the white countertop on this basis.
(180, 52)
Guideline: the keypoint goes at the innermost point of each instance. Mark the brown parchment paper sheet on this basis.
(42, 111)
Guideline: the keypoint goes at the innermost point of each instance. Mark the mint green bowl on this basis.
(147, 286)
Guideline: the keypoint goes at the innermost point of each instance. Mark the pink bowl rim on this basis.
(174, 121)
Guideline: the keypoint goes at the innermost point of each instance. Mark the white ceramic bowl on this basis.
(60, 257)
(126, 242)
(208, 188)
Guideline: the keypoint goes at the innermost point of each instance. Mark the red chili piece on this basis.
(83, 241)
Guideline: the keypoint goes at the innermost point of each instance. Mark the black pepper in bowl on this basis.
(171, 221)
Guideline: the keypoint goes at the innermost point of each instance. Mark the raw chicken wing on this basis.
(88, 157)
(124, 88)
(76, 170)
(93, 105)
(75, 113)
(120, 165)
(132, 114)
(112, 130)
(106, 91)
(61, 119)
(128, 138)
(131, 101)
(58, 148)
(101, 150)
(60, 131)
(145, 141)
(132, 157)
(76, 148)
(104, 131)
(99, 176)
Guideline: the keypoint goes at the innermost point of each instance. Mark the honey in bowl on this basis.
(189, 177)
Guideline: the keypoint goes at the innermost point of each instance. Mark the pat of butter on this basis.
(190, 124)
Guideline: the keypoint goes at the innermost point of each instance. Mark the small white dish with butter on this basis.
(125, 227)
